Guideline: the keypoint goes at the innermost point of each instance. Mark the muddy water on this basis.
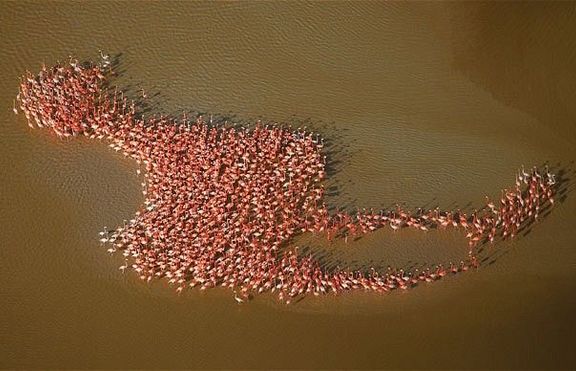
(427, 104)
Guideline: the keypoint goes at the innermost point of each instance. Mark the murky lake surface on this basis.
(427, 104)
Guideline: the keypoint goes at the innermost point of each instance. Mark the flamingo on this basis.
(219, 201)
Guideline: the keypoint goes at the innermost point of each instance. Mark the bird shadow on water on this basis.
(337, 147)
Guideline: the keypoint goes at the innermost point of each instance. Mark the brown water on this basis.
(434, 104)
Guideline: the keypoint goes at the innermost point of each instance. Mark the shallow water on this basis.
(428, 104)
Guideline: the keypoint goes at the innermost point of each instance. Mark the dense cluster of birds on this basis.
(222, 203)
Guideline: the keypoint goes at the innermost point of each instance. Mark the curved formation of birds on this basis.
(222, 203)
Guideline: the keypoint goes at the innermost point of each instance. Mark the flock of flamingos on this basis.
(222, 203)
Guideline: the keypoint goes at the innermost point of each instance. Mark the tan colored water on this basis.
(436, 104)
